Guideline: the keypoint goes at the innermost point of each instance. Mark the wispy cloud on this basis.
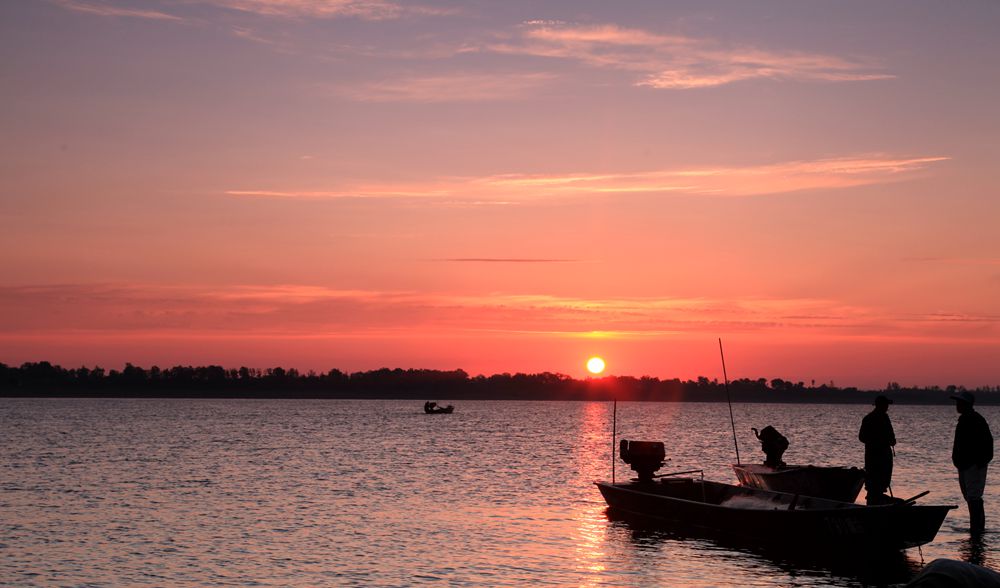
(301, 310)
(987, 261)
(107, 9)
(288, 9)
(462, 87)
(360, 9)
(776, 178)
(371, 191)
(507, 260)
(279, 44)
(365, 9)
(655, 60)
(677, 62)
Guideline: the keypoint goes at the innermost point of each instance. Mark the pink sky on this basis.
(504, 187)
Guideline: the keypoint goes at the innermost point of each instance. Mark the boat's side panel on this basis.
(844, 526)
(834, 483)
(772, 523)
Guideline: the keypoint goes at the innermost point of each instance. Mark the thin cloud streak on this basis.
(658, 61)
(369, 192)
(507, 260)
(677, 62)
(364, 9)
(446, 88)
(718, 182)
(957, 260)
(104, 9)
(372, 10)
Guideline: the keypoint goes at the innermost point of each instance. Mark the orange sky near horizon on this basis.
(504, 187)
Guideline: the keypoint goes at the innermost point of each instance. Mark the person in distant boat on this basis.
(877, 435)
(972, 453)
(773, 444)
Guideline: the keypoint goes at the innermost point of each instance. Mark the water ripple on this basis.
(374, 493)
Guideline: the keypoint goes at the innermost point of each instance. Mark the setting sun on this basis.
(595, 365)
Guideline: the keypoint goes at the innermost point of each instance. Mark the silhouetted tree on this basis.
(43, 378)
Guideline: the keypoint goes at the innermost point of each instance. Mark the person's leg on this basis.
(972, 481)
(876, 481)
(878, 470)
(977, 516)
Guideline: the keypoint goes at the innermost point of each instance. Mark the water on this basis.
(129, 492)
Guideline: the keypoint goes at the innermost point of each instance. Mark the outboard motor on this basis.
(773, 444)
(645, 457)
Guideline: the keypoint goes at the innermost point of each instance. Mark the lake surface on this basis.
(127, 492)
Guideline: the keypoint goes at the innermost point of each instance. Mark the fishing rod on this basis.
(614, 435)
(893, 449)
(732, 422)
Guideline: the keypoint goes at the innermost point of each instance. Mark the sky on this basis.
(504, 186)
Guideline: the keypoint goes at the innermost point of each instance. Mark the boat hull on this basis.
(443, 410)
(835, 483)
(774, 517)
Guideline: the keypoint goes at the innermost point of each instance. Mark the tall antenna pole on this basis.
(729, 401)
(614, 435)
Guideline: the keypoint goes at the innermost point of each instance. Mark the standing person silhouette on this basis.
(971, 453)
(877, 435)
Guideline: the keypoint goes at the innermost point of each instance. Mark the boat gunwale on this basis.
(791, 469)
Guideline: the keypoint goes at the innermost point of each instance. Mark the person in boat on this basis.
(429, 406)
(971, 454)
(773, 444)
(877, 435)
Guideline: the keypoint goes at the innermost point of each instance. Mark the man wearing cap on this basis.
(877, 435)
(971, 454)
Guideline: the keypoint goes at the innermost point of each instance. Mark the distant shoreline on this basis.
(182, 395)
(43, 379)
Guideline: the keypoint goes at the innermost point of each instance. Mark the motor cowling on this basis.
(645, 457)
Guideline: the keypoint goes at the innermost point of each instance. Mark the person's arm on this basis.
(955, 451)
(989, 453)
(960, 450)
(986, 442)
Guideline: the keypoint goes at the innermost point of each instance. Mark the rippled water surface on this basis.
(123, 492)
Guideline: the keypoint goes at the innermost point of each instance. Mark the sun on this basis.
(595, 365)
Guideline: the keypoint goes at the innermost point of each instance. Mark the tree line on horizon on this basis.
(212, 381)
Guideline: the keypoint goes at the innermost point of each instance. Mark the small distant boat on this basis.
(834, 483)
(791, 521)
(433, 408)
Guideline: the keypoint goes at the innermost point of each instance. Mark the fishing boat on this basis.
(433, 408)
(833, 482)
(779, 518)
